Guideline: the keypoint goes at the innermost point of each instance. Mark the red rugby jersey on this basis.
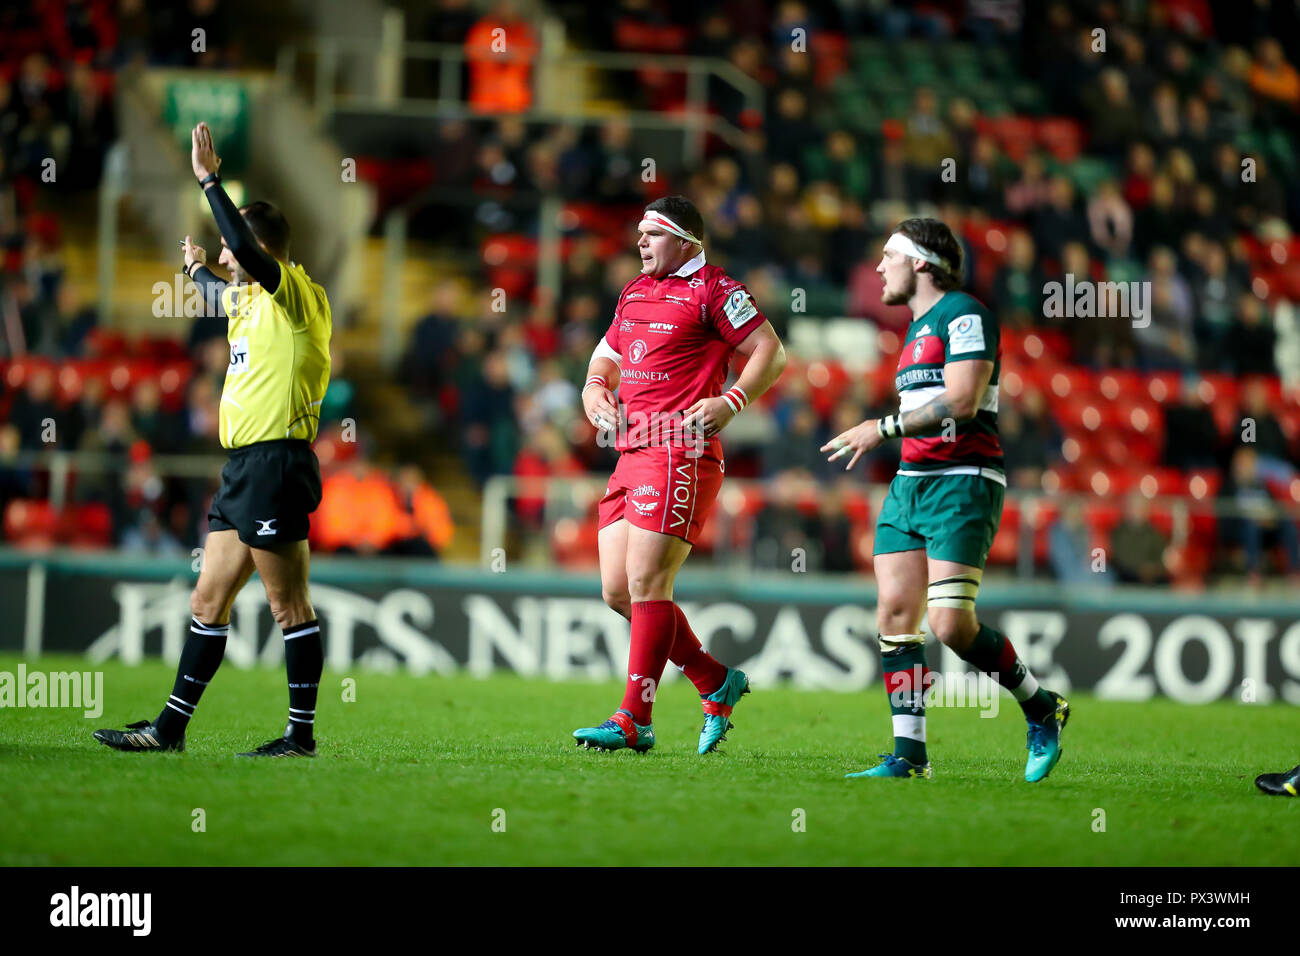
(676, 334)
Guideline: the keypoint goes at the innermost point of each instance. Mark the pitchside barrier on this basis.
(814, 632)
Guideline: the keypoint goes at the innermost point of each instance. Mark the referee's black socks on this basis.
(200, 659)
(304, 658)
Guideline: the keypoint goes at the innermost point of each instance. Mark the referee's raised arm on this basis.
(260, 265)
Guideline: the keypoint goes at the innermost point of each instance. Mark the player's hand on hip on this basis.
(599, 404)
(707, 417)
(203, 155)
(858, 440)
(194, 254)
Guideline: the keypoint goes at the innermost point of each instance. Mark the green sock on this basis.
(905, 675)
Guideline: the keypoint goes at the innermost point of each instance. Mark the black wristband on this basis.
(209, 178)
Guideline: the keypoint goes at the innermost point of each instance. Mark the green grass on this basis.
(412, 772)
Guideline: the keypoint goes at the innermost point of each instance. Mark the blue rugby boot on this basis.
(617, 733)
(717, 709)
(891, 766)
(1043, 741)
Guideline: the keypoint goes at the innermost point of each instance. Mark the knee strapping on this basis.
(958, 592)
(898, 642)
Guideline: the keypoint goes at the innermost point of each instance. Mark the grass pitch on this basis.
(456, 770)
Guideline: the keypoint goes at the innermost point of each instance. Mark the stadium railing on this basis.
(324, 56)
(552, 520)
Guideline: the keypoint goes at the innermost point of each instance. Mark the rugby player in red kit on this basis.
(667, 352)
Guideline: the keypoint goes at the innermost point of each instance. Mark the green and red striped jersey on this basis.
(956, 328)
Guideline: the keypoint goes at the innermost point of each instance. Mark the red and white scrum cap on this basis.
(652, 218)
(901, 243)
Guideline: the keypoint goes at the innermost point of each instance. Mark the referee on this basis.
(279, 332)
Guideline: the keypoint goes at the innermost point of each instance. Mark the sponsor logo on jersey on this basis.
(636, 351)
(662, 327)
(681, 496)
(238, 356)
(641, 375)
(925, 330)
(918, 376)
(696, 282)
(739, 308)
(966, 334)
(635, 295)
(677, 298)
(648, 490)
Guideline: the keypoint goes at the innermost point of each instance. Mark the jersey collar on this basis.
(692, 266)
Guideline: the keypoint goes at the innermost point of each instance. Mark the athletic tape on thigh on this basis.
(957, 592)
(894, 642)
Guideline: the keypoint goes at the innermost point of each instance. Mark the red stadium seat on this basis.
(1074, 382)
(1006, 543)
(1116, 383)
(88, 525)
(1203, 484)
(1164, 387)
(30, 523)
(1061, 136)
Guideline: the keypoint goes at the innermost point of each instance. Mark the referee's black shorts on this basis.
(268, 490)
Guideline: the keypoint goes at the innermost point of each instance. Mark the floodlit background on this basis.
(465, 179)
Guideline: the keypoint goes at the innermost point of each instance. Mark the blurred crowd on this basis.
(75, 387)
(1167, 159)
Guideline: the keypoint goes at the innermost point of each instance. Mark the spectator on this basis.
(1191, 436)
(1110, 221)
(1113, 119)
(1058, 223)
(148, 536)
(35, 413)
(1252, 339)
(1275, 460)
(1070, 553)
(1274, 81)
(430, 519)
(1137, 548)
(1257, 524)
(781, 526)
(1030, 440)
(1018, 285)
(500, 63)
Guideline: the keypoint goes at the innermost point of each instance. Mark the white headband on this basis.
(900, 243)
(659, 220)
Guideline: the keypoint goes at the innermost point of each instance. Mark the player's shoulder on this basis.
(957, 304)
(715, 277)
(295, 273)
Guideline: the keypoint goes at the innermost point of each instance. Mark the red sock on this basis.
(703, 671)
(653, 626)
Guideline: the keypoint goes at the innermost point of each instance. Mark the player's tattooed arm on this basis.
(964, 386)
(930, 419)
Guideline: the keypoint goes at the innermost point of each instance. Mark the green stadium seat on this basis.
(1087, 174)
(1283, 153)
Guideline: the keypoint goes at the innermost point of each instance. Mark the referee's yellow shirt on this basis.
(279, 360)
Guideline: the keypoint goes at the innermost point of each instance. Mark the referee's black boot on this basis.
(141, 735)
(284, 746)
